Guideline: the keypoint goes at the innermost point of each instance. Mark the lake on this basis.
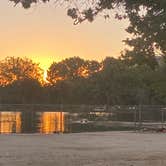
(52, 122)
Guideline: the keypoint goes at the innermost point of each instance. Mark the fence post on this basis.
(140, 116)
(135, 118)
(162, 118)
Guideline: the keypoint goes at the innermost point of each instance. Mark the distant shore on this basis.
(84, 149)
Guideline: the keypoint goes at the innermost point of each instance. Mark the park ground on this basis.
(84, 149)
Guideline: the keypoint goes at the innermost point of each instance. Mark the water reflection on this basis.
(58, 122)
(52, 122)
(10, 122)
(32, 122)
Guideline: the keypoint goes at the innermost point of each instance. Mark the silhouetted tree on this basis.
(25, 91)
(15, 68)
(111, 82)
(71, 68)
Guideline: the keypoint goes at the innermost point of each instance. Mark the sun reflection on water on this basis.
(42, 122)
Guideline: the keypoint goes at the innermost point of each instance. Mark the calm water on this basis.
(51, 122)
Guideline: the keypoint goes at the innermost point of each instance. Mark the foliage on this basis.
(111, 82)
(22, 92)
(71, 68)
(138, 77)
(14, 69)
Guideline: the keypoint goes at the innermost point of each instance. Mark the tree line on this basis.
(137, 77)
(113, 81)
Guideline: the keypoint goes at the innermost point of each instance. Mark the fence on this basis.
(139, 116)
(117, 117)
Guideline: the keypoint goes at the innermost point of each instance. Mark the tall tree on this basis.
(71, 68)
(15, 68)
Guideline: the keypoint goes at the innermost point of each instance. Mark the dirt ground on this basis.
(84, 149)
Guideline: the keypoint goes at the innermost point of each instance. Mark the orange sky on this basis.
(45, 33)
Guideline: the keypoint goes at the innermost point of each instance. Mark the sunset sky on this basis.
(45, 33)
